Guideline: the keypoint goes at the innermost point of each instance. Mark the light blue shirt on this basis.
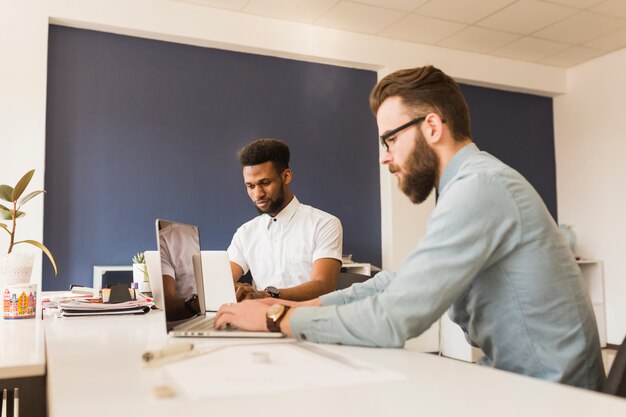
(494, 257)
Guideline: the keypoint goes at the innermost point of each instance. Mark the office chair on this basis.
(346, 279)
(615, 383)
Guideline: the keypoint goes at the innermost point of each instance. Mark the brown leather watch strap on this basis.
(273, 324)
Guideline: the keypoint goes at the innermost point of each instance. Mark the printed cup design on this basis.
(19, 301)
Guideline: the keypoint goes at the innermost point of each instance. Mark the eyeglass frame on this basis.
(418, 119)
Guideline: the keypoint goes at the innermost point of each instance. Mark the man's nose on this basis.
(385, 157)
(258, 193)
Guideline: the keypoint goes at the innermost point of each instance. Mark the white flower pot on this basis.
(139, 273)
(16, 268)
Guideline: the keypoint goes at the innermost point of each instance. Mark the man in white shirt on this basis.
(292, 250)
(178, 244)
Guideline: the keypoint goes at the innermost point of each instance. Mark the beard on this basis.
(275, 204)
(420, 171)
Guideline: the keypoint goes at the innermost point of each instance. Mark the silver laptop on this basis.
(206, 274)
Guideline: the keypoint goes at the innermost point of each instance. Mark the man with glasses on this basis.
(492, 255)
(292, 250)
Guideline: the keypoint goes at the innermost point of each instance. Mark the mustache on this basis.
(393, 168)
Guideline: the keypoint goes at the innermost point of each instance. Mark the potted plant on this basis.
(140, 273)
(17, 267)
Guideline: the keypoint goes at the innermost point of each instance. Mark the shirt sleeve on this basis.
(236, 252)
(473, 225)
(328, 240)
(359, 290)
(167, 267)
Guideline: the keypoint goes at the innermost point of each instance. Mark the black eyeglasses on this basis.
(384, 138)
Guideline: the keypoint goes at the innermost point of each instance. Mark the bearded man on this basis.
(292, 250)
(492, 254)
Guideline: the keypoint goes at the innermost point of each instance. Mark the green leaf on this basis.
(29, 196)
(44, 250)
(18, 214)
(21, 185)
(5, 193)
(5, 227)
(6, 213)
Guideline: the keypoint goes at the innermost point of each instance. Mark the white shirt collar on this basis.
(286, 214)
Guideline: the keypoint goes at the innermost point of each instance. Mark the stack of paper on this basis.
(93, 307)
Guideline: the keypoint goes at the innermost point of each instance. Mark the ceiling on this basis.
(560, 33)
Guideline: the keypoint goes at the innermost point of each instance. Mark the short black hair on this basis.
(263, 150)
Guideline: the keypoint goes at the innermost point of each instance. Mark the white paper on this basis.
(269, 368)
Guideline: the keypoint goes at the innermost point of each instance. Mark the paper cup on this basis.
(19, 301)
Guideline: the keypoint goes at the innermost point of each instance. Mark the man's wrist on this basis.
(285, 325)
(272, 291)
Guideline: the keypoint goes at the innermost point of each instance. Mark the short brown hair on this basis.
(426, 89)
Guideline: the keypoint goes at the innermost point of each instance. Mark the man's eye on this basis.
(250, 186)
(390, 140)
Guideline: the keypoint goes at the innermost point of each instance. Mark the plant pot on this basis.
(139, 273)
(16, 268)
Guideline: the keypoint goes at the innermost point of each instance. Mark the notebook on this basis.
(205, 273)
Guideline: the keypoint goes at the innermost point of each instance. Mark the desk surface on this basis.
(22, 349)
(94, 366)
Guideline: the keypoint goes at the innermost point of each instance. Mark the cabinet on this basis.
(593, 277)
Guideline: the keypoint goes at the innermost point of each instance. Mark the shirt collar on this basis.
(286, 214)
(455, 163)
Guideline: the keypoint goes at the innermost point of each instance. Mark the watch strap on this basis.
(273, 325)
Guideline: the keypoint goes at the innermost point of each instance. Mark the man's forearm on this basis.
(306, 291)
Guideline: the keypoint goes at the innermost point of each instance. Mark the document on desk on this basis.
(258, 369)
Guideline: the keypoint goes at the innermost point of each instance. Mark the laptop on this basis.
(204, 273)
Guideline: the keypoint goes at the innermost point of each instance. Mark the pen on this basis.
(4, 402)
(167, 351)
(16, 402)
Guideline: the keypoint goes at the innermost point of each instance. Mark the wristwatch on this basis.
(273, 291)
(274, 315)
(191, 304)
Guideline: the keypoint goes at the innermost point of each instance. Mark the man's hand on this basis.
(244, 291)
(247, 315)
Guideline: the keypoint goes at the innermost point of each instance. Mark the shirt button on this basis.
(302, 336)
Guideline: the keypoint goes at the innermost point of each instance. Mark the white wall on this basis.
(590, 140)
(23, 68)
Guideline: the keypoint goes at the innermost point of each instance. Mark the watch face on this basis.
(273, 291)
(275, 311)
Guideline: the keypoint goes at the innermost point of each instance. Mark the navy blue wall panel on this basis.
(518, 129)
(139, 129)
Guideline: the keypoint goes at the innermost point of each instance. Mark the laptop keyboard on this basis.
(205, 324)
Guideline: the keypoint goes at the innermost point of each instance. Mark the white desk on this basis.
(23, 363)
(22, 349)
(94, 369)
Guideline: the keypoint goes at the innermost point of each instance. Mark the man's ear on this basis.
(432, 128)
(286, 176)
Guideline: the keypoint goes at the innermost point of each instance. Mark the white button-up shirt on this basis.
(178, 243)
(280, 251)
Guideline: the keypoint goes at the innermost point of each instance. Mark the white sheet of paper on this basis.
(269, 368)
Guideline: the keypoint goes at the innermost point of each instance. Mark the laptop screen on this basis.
(179, 250)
